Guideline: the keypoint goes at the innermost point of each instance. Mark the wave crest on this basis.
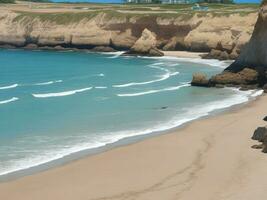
(9, 87)
(153, 91)
(60, 94)
(9, 100)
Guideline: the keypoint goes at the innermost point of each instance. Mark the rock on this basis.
(217, 54)
(257, 146)
(224, 56)
(155, 52)
(59, 48)
(265, 118)
(200, 79)
(103, 49)
(265, 88)
(264, 150)
(233, 55)
(245, 77)
(145, 45)
(31, 46)
(254, 53)
(259, 134)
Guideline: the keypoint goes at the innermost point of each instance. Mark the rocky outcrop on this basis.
(145, 45)
(260, 134)
(246, 79)
(121, 31)
(103, 49)
(200, 79)
(254, 53)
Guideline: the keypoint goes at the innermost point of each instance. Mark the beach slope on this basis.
(209, 159)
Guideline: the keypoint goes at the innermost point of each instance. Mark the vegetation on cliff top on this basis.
(7, 1)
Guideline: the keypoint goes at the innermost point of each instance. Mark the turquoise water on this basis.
(53, 104)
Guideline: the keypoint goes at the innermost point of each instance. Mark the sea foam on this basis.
(48, 82)
(8, 87)
(188, 115)
(163, 77)
(9, 100)
(153, 91)
(60, 94)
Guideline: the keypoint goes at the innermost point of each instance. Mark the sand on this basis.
(183, 54)
(208, 159)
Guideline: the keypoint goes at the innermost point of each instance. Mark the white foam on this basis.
(257, 93)
(48, 82)
(163, 77)
(60, 94)
(9, 100)
(188, 115)
(153, 91)
(116, 54)
(101, 75)
(211, 62)
(8, 87)
(101, 87)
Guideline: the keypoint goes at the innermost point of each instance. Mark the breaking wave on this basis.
(9, 100)
(153, 91)
(9, 87)
(60, 94)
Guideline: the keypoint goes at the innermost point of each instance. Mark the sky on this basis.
(119, 1)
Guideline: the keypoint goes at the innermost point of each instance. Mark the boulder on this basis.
(200, 79)
(245, 77)
(145, 45)
(224, 56)
(259, 134)
(103, 49)
(31, 46)
(265, 118)
(264, 150)
(217, 54)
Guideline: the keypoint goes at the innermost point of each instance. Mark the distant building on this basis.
(178, 1)
(166, 1)
(139, 1)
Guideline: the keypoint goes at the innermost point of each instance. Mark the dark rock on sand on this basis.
(200, 79)
(259, 134)
(265, 118)
(264, 143)
(257, 146)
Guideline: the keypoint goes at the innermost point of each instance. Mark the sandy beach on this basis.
(209, 159)
(183, 54)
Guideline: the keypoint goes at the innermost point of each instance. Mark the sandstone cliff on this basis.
(254, 55)
(86, 30)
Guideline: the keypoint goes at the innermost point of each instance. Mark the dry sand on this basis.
(209, 159)
(183, 54)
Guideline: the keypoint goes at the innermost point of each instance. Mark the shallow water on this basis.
(53, 104)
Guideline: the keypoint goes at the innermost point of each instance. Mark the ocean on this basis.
(54, 104)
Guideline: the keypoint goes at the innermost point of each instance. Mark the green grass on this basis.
(184, 12)
(7, 1)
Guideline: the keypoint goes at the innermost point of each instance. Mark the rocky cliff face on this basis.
(88, 30)
(254, 54)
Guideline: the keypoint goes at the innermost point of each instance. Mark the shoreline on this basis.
(66, 159)
(164, 151)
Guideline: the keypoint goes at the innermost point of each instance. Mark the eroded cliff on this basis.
(254, 55)
(86, 30)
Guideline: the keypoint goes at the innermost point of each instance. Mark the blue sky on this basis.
(119, 1)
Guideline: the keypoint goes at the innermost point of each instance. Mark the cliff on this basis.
(254, 55)
(120, 30)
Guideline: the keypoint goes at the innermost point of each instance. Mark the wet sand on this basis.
(208, 159)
